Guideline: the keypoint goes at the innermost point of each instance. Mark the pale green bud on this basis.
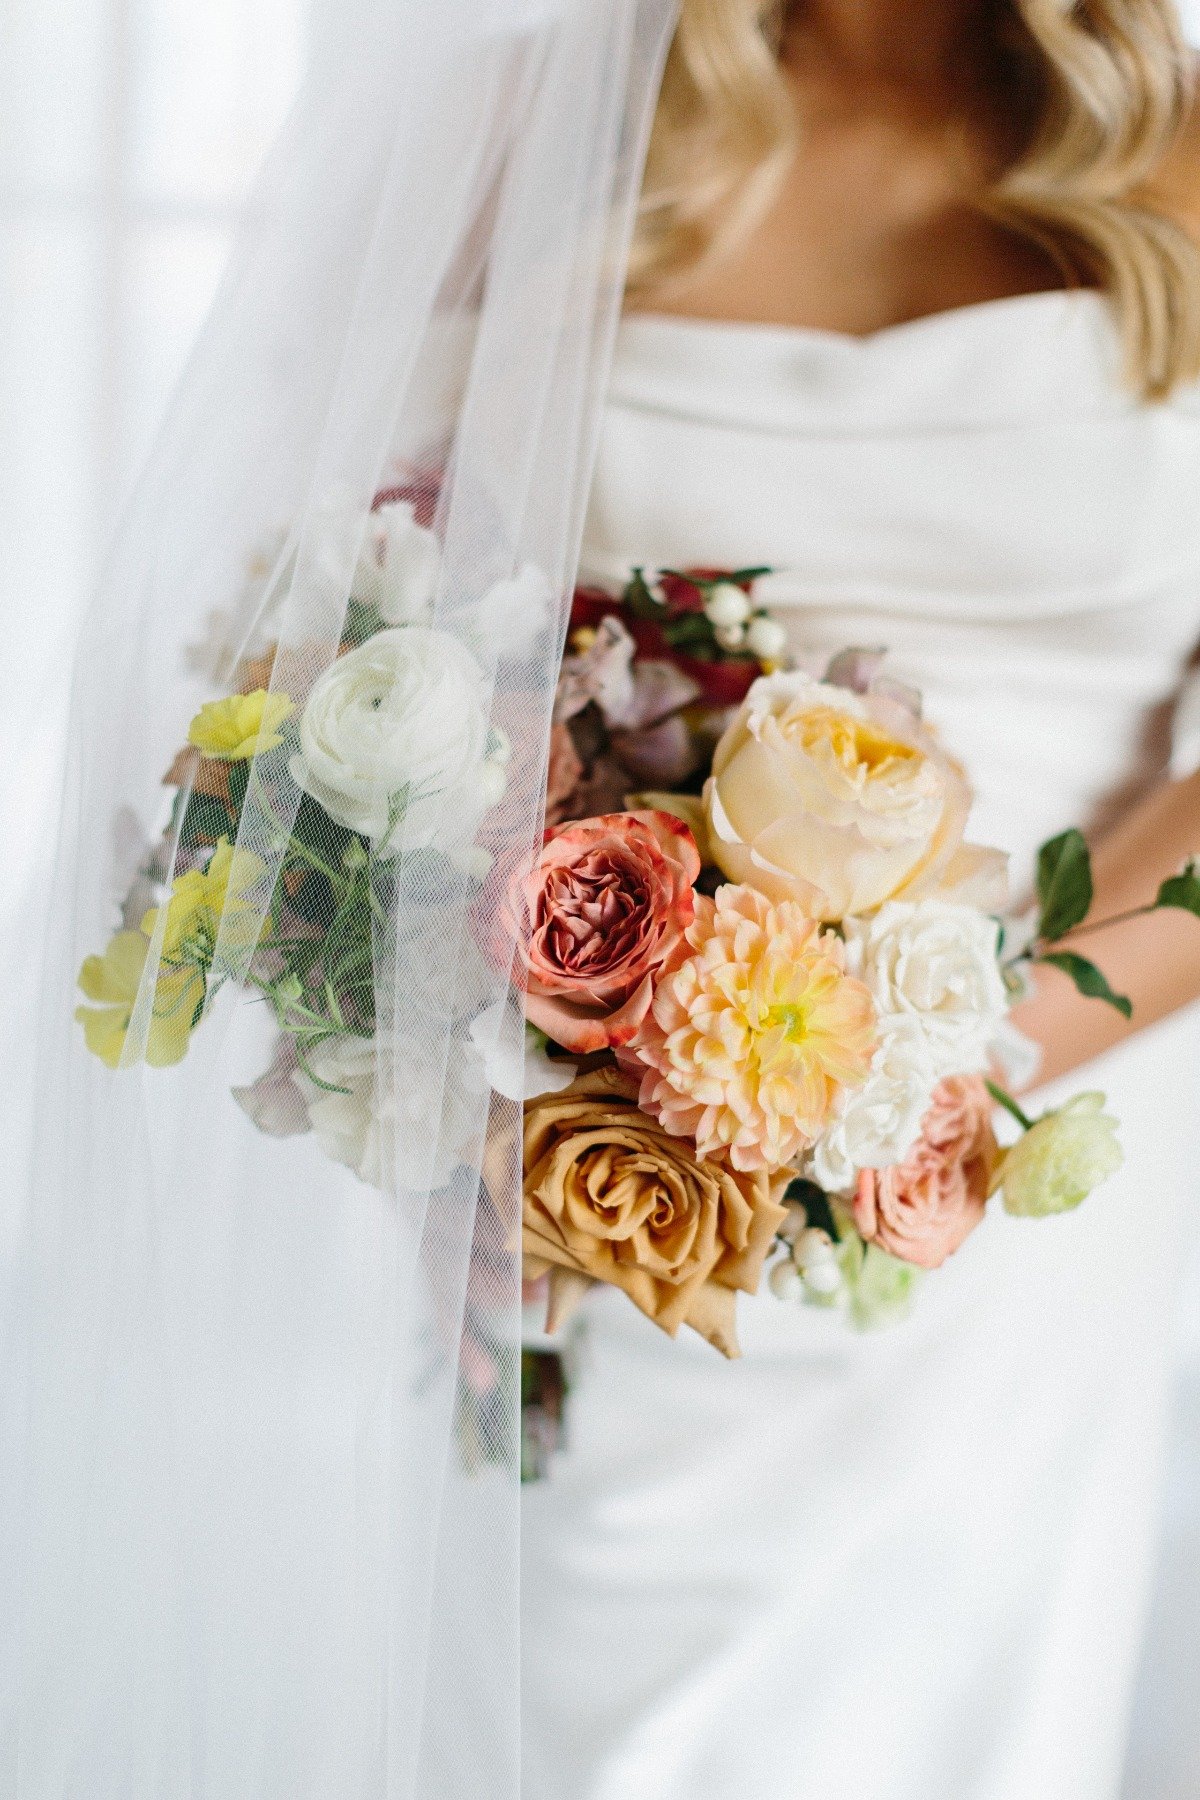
(1060, 1159)
(880, 1287)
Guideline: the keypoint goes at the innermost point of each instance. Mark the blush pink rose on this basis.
(922, 1209)
(604, 906)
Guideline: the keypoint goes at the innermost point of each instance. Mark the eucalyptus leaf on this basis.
(1182, 891)
(1064, 884)
(1088, 979)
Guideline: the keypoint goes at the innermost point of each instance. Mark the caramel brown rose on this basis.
(602, 909)
(611, 1196)
(922, 1209)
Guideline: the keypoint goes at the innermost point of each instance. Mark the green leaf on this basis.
(1088, 979)
(313, 898)
(314, 827)
(1182, 890)
(239, 777)
(640, 600)
(815, 1202)
(690, 631)
(1064, 883)
(205, 821)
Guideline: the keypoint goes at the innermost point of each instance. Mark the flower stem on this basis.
(1004, 1099)
(1085, 930)
(296, 848)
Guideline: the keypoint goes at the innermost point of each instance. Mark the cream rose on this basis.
(840, 801)
(398, 729)
(934, 961)
(400, 565)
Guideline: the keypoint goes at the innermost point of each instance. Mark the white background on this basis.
(129, 130)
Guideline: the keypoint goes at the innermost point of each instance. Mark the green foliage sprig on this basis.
(1065, 892)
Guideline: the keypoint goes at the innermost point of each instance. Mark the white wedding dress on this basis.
(911, 1565)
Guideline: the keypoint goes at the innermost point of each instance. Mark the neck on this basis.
(908, 43)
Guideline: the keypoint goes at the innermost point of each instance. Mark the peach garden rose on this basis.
(604, 906)
(922, 1209)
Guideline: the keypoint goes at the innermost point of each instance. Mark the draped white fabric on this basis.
(910, 1565)
(245, 1550)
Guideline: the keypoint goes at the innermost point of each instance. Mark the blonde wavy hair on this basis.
(1105, 85)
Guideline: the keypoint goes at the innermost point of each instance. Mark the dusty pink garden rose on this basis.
(922, 1209)
(604, 906)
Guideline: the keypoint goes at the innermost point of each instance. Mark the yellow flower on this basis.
(750, 1038)
(112, 980)
(240, 726)
(201, 900)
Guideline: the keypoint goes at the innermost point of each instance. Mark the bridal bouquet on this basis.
(784, 978)
(766, 979)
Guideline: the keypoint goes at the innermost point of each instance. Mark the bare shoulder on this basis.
(1175, 186)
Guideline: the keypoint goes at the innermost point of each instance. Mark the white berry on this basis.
(727, 605)
(785, 1282)
(766, 638)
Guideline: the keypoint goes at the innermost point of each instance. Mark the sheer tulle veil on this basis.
(260, 1487)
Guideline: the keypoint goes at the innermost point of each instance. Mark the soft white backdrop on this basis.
(129, 130)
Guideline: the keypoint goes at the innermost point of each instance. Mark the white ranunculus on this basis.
(935, 961)
(403, 715)
(378, 1112)
(878, 1123)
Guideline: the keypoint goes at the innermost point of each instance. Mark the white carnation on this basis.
(378, 1111)
(400, 565)
(382, 559)
(934, 961)
(512, 612)
(399, 728)
(877, 1123)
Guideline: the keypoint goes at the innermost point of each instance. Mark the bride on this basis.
(914, 319)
